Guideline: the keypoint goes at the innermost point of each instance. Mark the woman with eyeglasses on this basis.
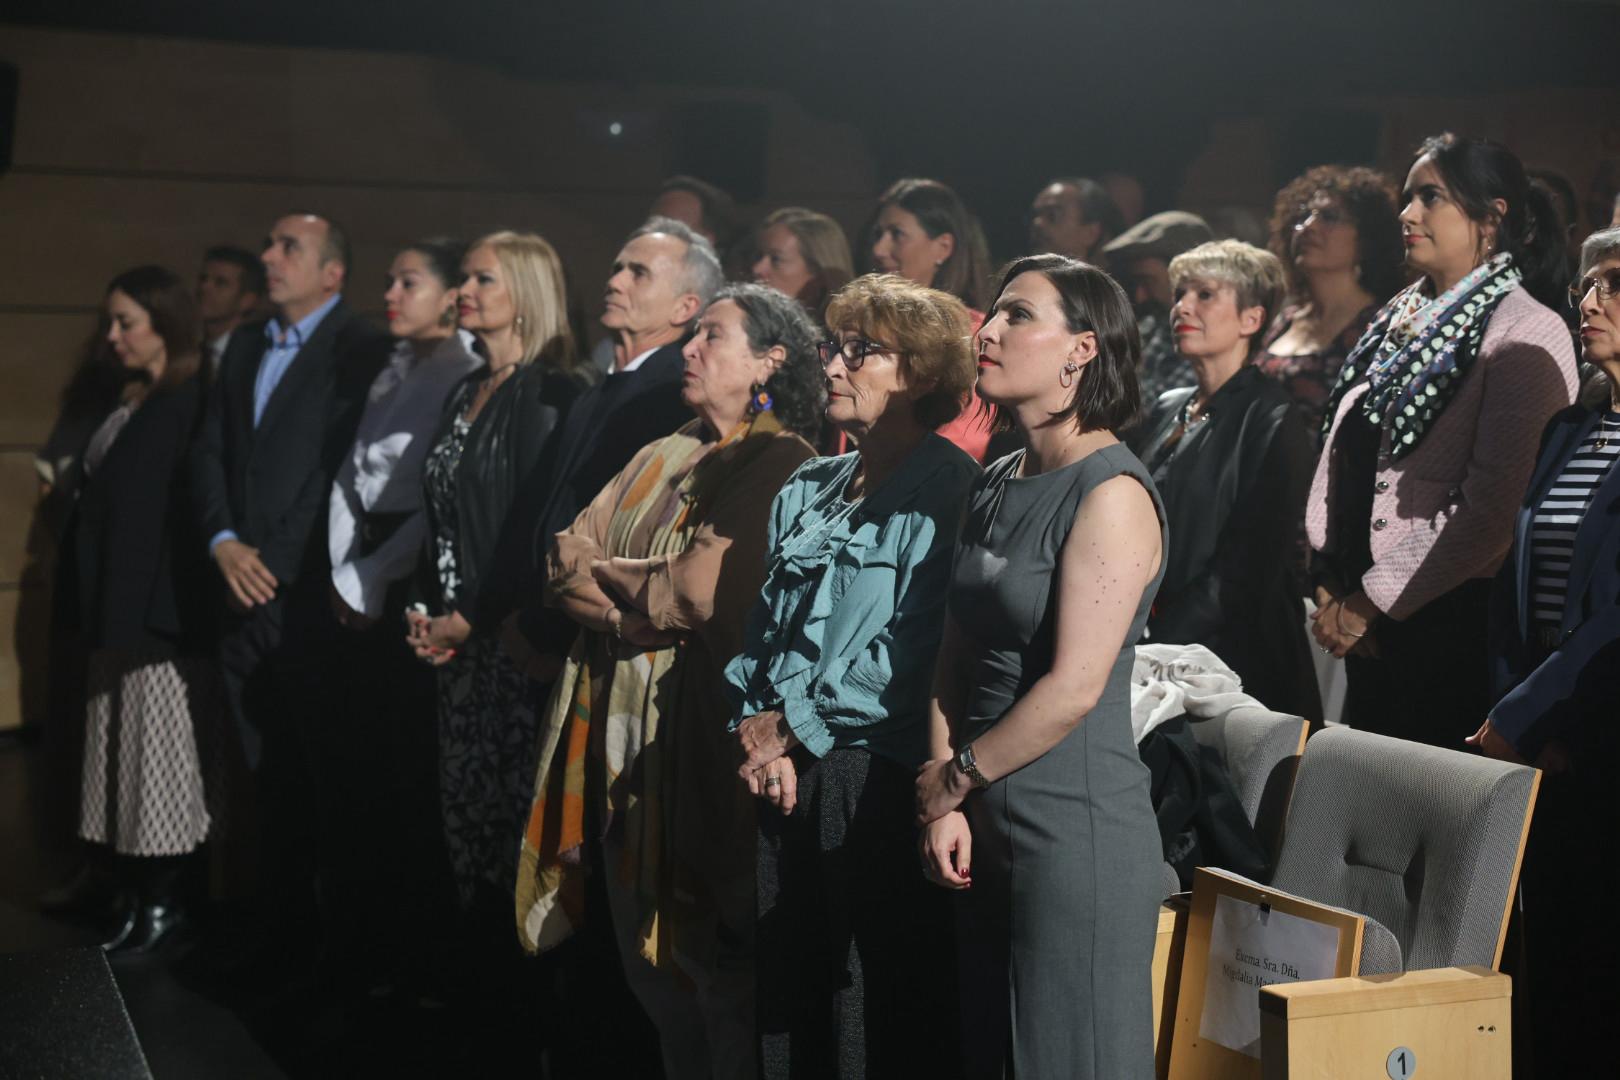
(1334, 228)
(1430, 443)
(831, 692)
(1555, 673)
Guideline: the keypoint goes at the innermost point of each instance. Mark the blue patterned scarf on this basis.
(1417, 350)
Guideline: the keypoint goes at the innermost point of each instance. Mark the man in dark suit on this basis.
(280, 415)
(661, 281)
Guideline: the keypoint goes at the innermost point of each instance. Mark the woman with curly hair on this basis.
(1335, 230)
(636, 780)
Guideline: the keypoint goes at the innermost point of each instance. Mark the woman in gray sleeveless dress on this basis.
(1035, 782)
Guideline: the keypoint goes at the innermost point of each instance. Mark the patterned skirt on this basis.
(152, 781)
(487, 730)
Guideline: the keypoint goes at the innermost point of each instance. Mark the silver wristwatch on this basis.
(970, 768)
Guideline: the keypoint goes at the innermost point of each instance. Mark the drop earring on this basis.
(1066, 376)
(761, 401)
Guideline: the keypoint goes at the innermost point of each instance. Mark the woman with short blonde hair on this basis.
(1232, 459)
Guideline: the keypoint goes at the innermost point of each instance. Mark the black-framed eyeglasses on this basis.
(853, 352)
(1607, 285)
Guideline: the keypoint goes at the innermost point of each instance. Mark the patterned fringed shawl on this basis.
(612, 701)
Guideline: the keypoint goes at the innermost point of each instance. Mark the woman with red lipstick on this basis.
(1034, 805)
(376, 526)
(1431, 435)
(1232, 460)
(1555, 674)
(376, 521)
(495, 427)
(926, 234)
(829, 699)
(131, 563)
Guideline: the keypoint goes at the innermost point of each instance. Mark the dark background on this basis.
(993, 97)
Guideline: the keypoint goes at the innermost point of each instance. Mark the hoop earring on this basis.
(1066, 376)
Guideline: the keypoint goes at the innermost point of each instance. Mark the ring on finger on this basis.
(773, 781)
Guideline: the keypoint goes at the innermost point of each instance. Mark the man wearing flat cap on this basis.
(1141, 258)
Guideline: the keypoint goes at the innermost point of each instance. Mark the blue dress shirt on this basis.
(282, 345)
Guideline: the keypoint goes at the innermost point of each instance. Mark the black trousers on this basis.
(856, 969)
(275, 661)
(1569, 953)
(1430, 683)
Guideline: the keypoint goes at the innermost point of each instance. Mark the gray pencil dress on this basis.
(1055, 936)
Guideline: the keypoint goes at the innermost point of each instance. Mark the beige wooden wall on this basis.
(132, 150)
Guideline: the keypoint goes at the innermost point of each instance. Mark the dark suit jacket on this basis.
(139, 568)
(604, 429)
(1234, 495)
(270, 484)
(1541, 696)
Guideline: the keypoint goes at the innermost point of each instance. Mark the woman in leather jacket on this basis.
(1232, 462)
(497, 426)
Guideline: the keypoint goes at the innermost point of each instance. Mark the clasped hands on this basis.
(1340, 624)
(765, 740)
(435, 638)
(945, 841)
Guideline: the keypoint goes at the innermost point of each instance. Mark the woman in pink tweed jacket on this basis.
(1431, 436)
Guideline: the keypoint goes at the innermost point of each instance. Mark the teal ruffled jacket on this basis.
(844, 635)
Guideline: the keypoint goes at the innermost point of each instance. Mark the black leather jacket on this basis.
(1234, 489)
(511, 440)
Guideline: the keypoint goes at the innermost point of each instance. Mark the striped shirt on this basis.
(1558, 516)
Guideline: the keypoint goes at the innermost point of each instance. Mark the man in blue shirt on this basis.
(281, 414)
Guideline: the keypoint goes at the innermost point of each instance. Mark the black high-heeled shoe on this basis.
(154, 911)
(149, 928)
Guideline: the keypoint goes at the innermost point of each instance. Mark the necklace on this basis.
(1188, 420)
(1604, 432)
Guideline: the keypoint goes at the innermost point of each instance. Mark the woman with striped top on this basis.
(1555, 667)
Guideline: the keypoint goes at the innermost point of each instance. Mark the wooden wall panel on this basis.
(133, 149)
(34, 364)
(19, 490)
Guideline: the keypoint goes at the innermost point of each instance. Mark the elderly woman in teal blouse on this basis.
(831, 694)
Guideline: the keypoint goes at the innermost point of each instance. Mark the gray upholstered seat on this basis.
(1259, 749)
(1425, 841)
